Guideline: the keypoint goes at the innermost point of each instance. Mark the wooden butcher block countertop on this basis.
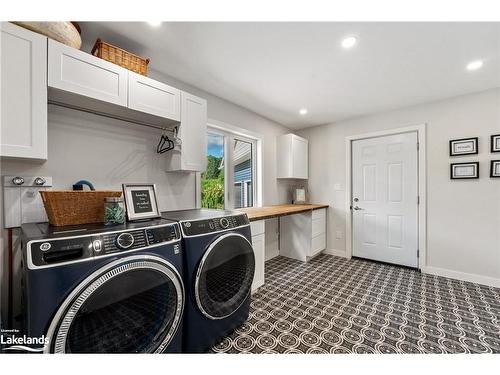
(268, 212)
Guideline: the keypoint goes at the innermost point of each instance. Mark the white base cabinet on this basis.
(303, 235)
(23, 93)
(259, 247)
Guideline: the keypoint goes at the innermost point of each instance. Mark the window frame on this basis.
(230, 134)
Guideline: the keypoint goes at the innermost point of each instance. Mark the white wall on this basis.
(463, 217)
(110, 152)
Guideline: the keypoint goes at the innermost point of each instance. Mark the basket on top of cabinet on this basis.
(120, 57)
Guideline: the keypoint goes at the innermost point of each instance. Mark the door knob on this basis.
(357, 208)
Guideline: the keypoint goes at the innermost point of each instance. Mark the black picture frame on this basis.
(493, 141)
(475, 176)
(493, 163)
(141, 201)
(475, 141)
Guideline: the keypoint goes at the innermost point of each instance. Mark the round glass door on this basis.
(133, 305)
(224, 276)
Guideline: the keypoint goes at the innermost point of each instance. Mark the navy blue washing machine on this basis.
(100, 289)
(219, 266)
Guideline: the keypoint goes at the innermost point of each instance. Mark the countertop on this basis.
(268, 212)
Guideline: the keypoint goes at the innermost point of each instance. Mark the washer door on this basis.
(224, 277)
(132, 305)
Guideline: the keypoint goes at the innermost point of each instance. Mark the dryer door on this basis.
(224, 277)
(132, 305)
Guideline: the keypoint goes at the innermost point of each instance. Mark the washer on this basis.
(219, 266)
(98, 289)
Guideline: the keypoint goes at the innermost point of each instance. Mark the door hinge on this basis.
(418, 253)
(418, 146)
(418, 199)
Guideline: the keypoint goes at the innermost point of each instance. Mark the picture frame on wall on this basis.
(464, 171)
(495, 143)
(495, 169)
(464, 146)
(140, 201)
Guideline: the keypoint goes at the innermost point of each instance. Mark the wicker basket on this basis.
(75, 207)
(120, 57)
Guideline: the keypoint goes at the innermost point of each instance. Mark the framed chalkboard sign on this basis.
(140, 200)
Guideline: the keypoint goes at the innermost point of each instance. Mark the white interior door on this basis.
(385, 199)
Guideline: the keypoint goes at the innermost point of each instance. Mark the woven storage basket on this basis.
(75, 207)
(120, 57)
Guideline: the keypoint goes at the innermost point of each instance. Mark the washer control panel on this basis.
(69, 249)
(200, 227)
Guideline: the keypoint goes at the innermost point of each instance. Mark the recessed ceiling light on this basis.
(349, 42)
(475, 65)
(154, 23)
(303, 111)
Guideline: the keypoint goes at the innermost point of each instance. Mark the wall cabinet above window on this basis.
(292, 154)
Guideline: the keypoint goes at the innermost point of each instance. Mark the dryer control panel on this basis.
(54, 251)
(201, 227)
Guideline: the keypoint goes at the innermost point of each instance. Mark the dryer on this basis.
(99, 289)
(219, 266)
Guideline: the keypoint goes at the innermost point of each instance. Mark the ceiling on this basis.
(275, 69)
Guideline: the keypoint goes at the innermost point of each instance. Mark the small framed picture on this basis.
(495, 143)
(495, 169)
(462, 171)
(299, 195)
(140, 201)
(464, 146)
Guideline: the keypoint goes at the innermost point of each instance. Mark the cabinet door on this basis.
(24, 93)
(81, 73)
(258, 244)
(150, 96)
(191, 155)
(299, 157)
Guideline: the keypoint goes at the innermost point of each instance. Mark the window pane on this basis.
(212, 181)
(243, 174)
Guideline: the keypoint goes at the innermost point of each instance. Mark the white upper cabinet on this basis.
(150, 96)
(78, 72)
(191, 154)
(292, 154)
(23, 93)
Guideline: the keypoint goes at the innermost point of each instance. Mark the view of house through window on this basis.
(243, 174)
(237, 166)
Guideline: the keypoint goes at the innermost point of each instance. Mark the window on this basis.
(229, 181)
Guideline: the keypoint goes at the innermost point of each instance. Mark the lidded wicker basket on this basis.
(120, 57)
(75, 207)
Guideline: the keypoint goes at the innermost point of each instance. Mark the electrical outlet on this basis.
(338, 235)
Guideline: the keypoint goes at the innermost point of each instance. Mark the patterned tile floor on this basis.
(336, 305)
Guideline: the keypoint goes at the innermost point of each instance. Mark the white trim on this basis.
(335, 252)
(257, 139)
(422, 186)
(473, 278)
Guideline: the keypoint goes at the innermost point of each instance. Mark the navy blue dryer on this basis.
(219, 266)
(97, 289)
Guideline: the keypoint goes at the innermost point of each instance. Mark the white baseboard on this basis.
(335, 252)
(270, 255)
(473, 278)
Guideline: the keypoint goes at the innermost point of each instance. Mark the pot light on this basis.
(349, 42)
(303, 111)
(154, 23)
(475, 65)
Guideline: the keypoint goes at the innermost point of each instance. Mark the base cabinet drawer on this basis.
(318, 244)
(318, 227)
(319, 214)
(258, 227)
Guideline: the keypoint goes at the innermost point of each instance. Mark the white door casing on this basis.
(385, 185)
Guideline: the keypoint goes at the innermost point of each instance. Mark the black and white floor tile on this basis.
(336, 305)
